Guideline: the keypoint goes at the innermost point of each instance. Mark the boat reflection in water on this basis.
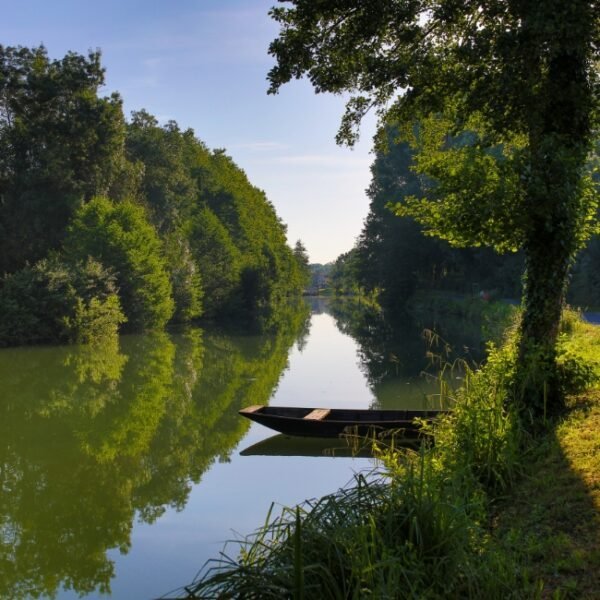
(345, 446)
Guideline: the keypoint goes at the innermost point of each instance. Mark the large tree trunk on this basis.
(538, 381)
(559, 137)
(556, 207)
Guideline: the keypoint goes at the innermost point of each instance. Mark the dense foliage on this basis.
(60, 144)
(60, 301)
(120, 237)
(396, 258)
(522, 78)
(180, 228)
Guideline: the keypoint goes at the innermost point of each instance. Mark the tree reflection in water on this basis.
(92, 436)
(401, 355)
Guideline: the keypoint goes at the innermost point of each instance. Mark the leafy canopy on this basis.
(506, 96)
(495, 69)
(60, 145)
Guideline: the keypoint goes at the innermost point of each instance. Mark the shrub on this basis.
(578, 358)
(57, 302)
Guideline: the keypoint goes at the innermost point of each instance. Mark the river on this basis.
(121, 470)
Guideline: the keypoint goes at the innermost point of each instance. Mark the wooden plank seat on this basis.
(318, 414)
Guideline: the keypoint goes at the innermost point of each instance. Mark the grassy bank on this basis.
(551, 520)
(488, 511)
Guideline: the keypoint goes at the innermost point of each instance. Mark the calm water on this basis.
(120, 466)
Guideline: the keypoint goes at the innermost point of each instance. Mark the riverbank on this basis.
(488, 511)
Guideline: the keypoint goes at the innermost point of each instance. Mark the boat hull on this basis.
(318, 422)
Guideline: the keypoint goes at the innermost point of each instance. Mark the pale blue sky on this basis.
(204, 64)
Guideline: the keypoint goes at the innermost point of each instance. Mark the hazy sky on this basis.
(204, 63)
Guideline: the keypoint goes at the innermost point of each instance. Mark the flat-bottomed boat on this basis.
(332, 422)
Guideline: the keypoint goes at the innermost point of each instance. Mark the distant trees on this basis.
(395, 258)
(319, 277)
(301, 256)
(226, 225)
(179, 227)
(343, 277)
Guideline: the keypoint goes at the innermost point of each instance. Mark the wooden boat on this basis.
(331, 422)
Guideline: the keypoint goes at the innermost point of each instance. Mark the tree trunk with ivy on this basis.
(559, 144)
(538, 381)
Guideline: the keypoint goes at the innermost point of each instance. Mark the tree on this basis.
(58, 302)
(522, 78)
(301, 256)
(343, 275)
(217, 258)
(234, 212)
(168, 159)
(395, 257)
(169, 156)
(392, 254)
(120, 237)
(60, 145)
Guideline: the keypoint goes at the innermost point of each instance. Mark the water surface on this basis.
(120, 465)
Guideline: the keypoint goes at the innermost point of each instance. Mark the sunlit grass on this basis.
(551, 520)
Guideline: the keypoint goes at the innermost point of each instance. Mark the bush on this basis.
(59, 302)
(577, 357)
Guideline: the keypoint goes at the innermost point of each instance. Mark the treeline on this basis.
(393, 258)
(108, 224)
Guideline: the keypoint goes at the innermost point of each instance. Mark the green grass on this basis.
(372, 540)
(552, 518)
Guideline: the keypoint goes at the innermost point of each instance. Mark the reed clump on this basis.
(420, 525)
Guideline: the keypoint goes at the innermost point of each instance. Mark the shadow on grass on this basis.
(552, 518)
